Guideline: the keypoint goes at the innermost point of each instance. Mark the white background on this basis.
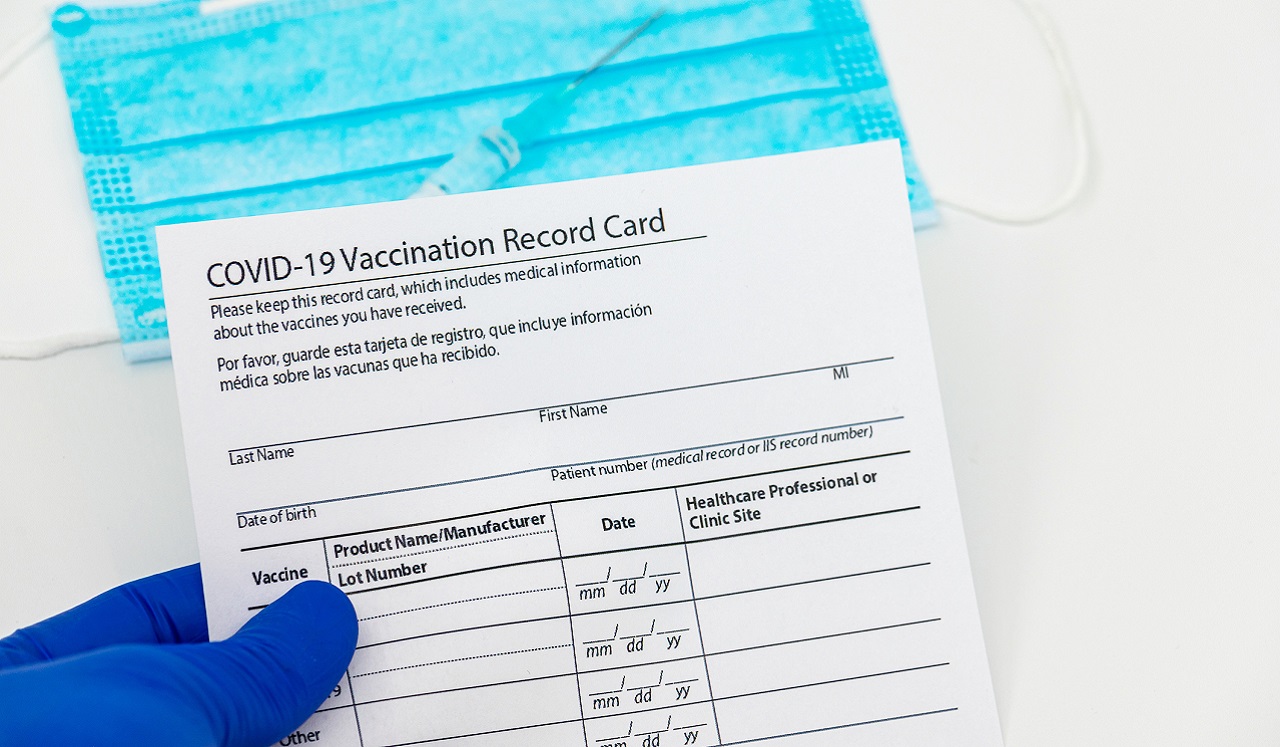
(1109, 378)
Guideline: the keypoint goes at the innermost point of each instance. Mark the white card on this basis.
(652, 460)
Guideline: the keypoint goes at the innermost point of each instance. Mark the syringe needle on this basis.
(496, 151)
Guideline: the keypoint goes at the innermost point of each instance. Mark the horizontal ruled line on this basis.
(463, 688)
(841, 726)
(649, 605)
(556, 406)
(465, 658)
(558, 558)
(691, 703)
(673, 660)
(544, 468)
(825, 637)
(837, 681)
(514, 509)
(462, 601)
(575, 556)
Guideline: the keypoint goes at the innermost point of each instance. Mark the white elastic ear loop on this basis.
(44, 347)
(1079, 126)
(23, 48)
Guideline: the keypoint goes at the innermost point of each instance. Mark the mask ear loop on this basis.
(44, 347)
(1083, 148)
(23, 48)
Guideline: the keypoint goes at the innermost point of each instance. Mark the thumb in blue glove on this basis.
(107, 672)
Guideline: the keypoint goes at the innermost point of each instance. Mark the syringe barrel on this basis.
(475, 166)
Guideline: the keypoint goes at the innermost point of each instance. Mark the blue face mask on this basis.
(301, 104)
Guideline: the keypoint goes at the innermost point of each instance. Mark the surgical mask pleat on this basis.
(639, 90)
(701, 136)
(330, 65)
(300, 104)
(704, 136)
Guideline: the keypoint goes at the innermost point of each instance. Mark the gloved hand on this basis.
(134, 667)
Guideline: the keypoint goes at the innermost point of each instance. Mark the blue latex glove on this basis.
(108, 672)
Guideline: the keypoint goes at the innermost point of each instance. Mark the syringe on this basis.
(483, 161)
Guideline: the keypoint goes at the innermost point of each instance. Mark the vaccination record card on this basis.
(654, 460)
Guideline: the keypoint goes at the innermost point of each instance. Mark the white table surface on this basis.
(1111, 378)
